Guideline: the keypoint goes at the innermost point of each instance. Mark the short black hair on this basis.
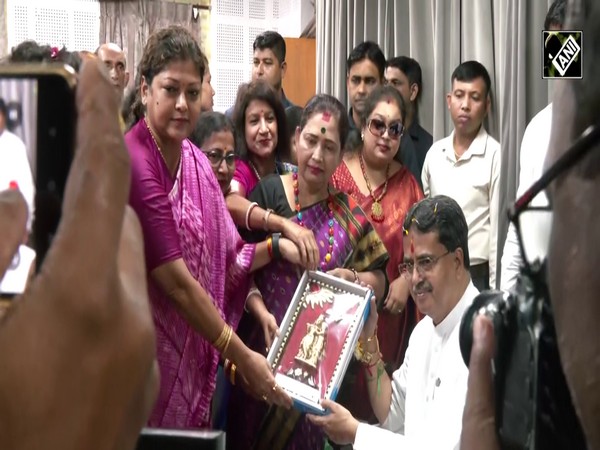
(30, 51)
(556, 14)
(367, 50)
(443, 215)
(471, 70)
(273, 41)
(209, 123)
(411, 68)
(293, 115)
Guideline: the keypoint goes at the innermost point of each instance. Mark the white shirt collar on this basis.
(449, 323)
(477, 147)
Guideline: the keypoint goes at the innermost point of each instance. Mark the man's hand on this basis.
(78, 350)
(338, 425)
(479, 420)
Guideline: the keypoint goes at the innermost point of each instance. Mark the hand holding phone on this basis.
(78, 349)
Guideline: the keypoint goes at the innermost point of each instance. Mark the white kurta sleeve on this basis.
(425, 177)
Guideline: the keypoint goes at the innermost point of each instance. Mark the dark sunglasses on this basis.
(216, 157)
(378, 127)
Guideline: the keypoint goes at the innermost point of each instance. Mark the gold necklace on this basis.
(156, 143)
(376, 209)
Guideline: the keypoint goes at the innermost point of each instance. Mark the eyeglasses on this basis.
(378, 128)
(424, 264)
(533, 258)
(216, 157)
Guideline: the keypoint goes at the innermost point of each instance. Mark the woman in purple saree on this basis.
(349, 248)
(197, 264)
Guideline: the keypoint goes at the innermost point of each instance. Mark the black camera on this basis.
(534, 409)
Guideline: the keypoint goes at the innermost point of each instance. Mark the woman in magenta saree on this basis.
(346, 241)
(197, 264)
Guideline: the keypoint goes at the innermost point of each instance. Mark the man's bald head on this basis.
(114, 58)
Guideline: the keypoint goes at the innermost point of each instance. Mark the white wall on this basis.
(234, 25)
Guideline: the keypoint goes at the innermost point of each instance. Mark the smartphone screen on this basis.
(37, 122)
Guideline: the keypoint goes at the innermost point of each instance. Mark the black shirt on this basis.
(414, 145)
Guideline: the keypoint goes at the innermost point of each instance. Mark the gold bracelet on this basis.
(228, 341)
(222, 342)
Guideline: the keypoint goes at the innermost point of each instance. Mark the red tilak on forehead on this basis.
(326, 116)
(412, 246)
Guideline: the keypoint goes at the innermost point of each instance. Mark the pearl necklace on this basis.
(253, 167)
(331, 240)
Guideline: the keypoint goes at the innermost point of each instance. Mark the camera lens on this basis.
(493, 304)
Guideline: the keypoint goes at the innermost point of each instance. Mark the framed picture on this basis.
(318, 336)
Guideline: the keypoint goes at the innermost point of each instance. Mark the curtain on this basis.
(129, 24)
(504, 35)
(3, 29)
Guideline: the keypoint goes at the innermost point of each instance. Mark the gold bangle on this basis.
(228, 341)
(224, 338)
(232, 374)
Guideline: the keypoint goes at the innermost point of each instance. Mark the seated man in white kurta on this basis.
(421, 406)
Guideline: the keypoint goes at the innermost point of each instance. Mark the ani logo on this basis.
(563, 54)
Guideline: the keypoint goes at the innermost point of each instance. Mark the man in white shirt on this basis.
(534, 147)
(533, 153)
(421, 406)
(466, 167)
(15, 172)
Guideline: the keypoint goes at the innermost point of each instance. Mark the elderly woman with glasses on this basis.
(385, 189)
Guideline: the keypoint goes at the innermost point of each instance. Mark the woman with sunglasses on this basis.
(386, 190)
(349, 247)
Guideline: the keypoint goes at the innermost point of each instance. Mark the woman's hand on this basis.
(290, 252)
(398, 294)
(270, 329)
(344, 274)
(259, 380)
(371, 324)
(305, 241)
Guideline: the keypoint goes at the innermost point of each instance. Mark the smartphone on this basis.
(37, 136)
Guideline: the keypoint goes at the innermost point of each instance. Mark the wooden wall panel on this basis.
(300, 79)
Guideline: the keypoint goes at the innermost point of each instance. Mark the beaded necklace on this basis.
(329, 253)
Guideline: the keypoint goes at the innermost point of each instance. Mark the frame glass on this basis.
(318, 336)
